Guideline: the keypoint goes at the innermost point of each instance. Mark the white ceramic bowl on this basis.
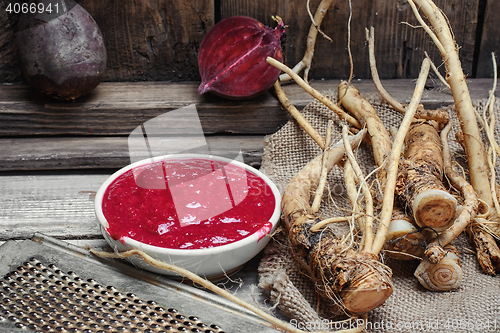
(211, 263)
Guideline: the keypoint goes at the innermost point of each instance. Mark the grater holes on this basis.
(127, 312)
(43, 298)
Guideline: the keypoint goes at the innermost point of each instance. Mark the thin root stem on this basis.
(489, 129)
(315, 24)
(427, 29)
(393, 161)
(370, 37)
(368, 223)
(314, 93)
(318, 226)
(324, 172)
(206, 284)
(311, 42)
(471, 203)
(298, 116)
(436, 71)
(351, 73)
(352, 193)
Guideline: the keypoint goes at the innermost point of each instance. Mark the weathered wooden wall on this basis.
(145, 40)
(490, 39)
(157, 40)
(399, 47)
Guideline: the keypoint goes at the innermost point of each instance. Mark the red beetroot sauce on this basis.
(215, 203)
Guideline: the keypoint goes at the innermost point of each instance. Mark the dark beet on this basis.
(232, 57)
(61, 54)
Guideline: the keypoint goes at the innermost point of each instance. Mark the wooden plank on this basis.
(399, 47)
(98, 152)
(145, 40)
(23, 154)
(98, 244)
(9, 67)
(60, 206)
(490, 39)
(118, 108)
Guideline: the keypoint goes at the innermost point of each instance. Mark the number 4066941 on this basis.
(24, 8)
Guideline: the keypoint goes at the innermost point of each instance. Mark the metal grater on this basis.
(44, 298)
(41, 294)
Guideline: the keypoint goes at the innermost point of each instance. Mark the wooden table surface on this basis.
(55, 155)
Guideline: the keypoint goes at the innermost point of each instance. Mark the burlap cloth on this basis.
(475, 307)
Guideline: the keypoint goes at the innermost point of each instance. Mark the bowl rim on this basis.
(249, 239)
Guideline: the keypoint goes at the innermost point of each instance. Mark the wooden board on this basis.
(490, 39)
(40, 134)
(399, 47)
(60, 206)
(35, 154)
(118, 108)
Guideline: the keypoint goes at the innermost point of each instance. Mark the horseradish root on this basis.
(443, 276)
(469, 206)
(403, 241)
(393, 159)
(298, 116)
(338, 269)
(488, 251)
(400, 245)
(314, 93)
(420, 179)
(359, 279)
(476, 155)
(306, 61)
(364, 112)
